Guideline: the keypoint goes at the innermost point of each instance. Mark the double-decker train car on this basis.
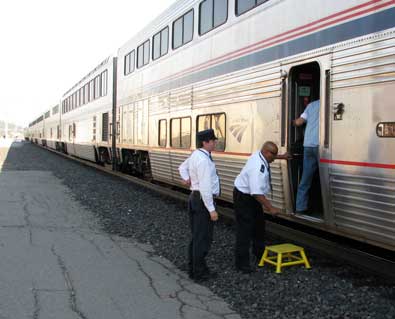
(247, 68)
(35, 132)
(51, 136)
(86, 115)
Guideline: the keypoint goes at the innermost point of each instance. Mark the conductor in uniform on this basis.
(199, 172)
(250, 197)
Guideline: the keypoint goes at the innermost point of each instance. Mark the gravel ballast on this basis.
(329, 290)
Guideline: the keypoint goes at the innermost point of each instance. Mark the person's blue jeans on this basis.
(310, 165)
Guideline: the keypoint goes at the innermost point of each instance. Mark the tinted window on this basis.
(206, 16)
(162, 133)
(129, 62)
(188, 27)
(143, 52)
(218, 123)
(160, 43)
(156, 46)
(164, 41)
(181, 132)
(213, 13)
(175, 133)
(220, 12)
(177, 33)
(245, 5)
(183, 30)
(140, 56)
(104, 83)
(186, 132)
(146, 52)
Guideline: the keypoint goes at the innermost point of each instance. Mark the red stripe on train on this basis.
(362, 164)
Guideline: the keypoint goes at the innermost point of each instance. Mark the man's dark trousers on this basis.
(250, 226)
(202, 235)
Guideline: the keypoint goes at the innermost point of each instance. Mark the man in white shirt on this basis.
(250, 197)
(199, 172)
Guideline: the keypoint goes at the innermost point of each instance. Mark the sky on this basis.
(46, 46)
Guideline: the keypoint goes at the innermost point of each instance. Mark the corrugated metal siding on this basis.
(175, 161)
(51, 144)
(370, 63)
(85, 152)
(365, 204)
(70, 148)
(159, 104)
(181, 99)
(160, 165)
(165, 165)
(238, 87)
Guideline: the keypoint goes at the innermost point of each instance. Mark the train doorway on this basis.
(304, 87)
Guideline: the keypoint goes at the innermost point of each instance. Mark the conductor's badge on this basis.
(263, 168)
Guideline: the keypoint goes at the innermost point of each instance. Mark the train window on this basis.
(129, 63)
(162, 133)
(183, 30)
(164, 42)
(218, 123)
(78, 98)
(180, 132)
(160, 43)
(177, 33)
(212, 13)
(91, 90)
(186, 132)
(243, 6)
(97, 87)
(104, 83)
(143, 54)
(175, 133)
(86, 94)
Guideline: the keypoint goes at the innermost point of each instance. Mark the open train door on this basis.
(304, 83)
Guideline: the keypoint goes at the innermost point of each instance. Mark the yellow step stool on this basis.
(284, 252)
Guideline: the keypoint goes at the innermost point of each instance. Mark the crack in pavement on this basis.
(92, 241)
(27, 218)
(183, 288)
(36, 298)
(69, 284)
(140, 267)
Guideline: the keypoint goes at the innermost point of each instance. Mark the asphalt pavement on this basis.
(56, 262)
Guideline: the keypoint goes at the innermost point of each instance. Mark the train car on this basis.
(247, 68)
(36, 130)
(87, 115)
(51, 136)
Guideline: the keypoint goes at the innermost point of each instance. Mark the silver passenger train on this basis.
(246, 68)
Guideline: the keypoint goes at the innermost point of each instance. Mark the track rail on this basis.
(361, 259)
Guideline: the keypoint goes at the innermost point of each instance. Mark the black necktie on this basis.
(270, 179)
(210, 157)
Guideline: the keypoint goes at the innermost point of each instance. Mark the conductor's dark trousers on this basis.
(202, 234)
(250, 227)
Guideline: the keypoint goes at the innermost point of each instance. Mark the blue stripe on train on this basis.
(373, 23)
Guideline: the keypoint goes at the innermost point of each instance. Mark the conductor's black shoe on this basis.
(302, 212)
(245, 269)
(200, 277)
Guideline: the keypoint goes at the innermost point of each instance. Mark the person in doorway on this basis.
(198, 171)
(310, 116)
(250, 196)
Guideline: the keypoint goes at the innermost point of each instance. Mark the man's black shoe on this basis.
(302, 212)
(244, 270)
(200, 277)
